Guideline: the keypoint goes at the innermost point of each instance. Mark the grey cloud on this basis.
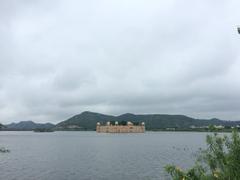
(58, 58)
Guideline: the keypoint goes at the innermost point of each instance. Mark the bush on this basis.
(220, 161)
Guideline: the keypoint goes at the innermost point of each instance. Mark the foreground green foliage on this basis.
(220, 161)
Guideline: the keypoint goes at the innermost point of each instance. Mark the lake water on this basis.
(93, 156)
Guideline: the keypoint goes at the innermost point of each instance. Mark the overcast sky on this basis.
(61, 57)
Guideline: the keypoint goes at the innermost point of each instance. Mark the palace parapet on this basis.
(122, 127)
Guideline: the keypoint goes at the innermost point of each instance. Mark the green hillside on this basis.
(87, 121)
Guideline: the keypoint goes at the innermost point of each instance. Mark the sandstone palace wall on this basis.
(120, 129)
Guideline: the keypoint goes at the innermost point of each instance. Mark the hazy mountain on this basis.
(2, 126)
(87, 121)
(28, 125)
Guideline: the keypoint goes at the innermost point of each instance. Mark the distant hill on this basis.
(87, 121)
(1, 126)
(84, 121)
(28, 125)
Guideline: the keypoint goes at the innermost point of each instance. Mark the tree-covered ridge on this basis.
(1, 126)
(87, 121)
(28, 125)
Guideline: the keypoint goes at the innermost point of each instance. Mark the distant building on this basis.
(120, 128)
(219, 127)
